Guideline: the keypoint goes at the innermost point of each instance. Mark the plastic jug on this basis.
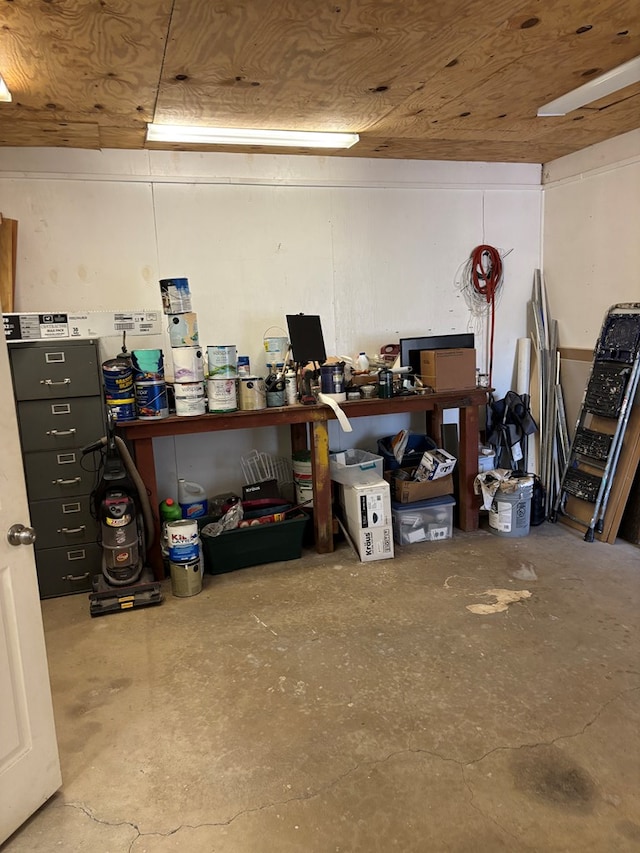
(192, 499)
(170, 511)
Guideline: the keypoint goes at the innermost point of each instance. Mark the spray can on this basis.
(291, 387)
(192, 499)
(385, 384)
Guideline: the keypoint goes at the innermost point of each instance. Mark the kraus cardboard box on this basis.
(406, 491)
(448, 369)
(367, 515)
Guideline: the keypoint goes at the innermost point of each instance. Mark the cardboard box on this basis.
(367, 516)
(448, 369)
(408, 491)
(435, 464)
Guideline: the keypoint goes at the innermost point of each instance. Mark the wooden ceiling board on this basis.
(454, 79)
(308, 65)
(79, 57)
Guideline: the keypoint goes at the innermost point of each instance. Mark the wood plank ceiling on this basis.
(440, 80)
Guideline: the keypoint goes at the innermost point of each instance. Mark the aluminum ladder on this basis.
(613, 381)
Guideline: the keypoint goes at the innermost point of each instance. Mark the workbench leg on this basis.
(145, 463)
(321, 487)
(469, 503)
(433, 422)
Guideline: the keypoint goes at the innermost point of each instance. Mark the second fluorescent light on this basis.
(618, 78)
(242, 136)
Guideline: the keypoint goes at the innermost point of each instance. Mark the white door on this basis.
(29, 765)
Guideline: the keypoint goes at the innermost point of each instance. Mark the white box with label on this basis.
(367, 515)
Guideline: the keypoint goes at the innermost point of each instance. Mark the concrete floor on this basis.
(330, 706)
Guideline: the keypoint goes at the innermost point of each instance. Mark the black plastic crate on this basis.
(270, 542)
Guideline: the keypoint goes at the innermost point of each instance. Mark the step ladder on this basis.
(593, 456)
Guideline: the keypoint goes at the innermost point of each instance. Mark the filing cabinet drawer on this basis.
(60, 523)
(58, 369)
(57, 474)
(61, 425)
(63, 571)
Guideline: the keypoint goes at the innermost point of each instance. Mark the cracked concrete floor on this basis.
(328, 706)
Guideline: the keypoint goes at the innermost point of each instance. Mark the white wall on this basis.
(591, 243)
(372, 246)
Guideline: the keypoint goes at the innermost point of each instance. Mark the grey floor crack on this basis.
(462, 764)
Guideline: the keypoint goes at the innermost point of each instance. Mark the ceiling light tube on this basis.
(243, 136)
(5, 94)
(618, 78)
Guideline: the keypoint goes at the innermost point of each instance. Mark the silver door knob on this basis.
(18, 534)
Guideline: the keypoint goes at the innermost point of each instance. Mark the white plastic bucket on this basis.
(510, 511)
(303, 477)
(275, 348)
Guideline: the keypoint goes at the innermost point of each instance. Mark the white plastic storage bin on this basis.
(354, 467)
(423, 521)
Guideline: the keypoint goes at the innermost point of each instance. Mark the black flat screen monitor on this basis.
(305, 335)
(410, 347)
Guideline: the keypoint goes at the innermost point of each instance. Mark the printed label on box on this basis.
(372, 510)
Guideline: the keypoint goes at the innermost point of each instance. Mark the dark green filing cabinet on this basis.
(58, 391)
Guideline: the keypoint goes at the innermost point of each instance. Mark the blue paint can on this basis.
(117, 375)
(122, 408)
(183, 541)
(151, 400)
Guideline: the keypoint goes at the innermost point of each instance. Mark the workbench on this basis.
(309, 430)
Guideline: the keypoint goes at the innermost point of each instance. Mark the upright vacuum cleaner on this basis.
(122, 507)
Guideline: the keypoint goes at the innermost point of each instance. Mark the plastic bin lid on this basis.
(444, 500)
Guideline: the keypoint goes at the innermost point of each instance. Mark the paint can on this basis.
(122, 408)
(183, 541)
(183, 329)
(186, 578)
(244, 366)
(332, 378)
(222, 395)
(303, 477)
(274, 386)
(117, 375)
(188, 364)
(189, 398)
(510, 511)
(176, 298)
(221, 360)
(148, 365)
(276, 348)
(151, 400)
(252, 394)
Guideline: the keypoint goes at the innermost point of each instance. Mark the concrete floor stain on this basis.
(546, 773)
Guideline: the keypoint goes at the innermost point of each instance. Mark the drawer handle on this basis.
(66, 482)
(55, 382)
(57, 432)
(75, 577)
(70, 530)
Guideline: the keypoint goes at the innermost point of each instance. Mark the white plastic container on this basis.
(192, 499)
(423, 521)
(362, 362)
(351, 467)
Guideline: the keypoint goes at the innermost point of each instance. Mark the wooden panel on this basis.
(8, 248)
(447, 80)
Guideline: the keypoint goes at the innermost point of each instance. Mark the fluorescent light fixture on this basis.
(242, 136)
(618, 78)
(5, 94)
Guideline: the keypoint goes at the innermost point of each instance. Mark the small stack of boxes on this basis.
(421, 490)
(188, 367)
(365, 502)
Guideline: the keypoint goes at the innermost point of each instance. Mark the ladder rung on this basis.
(582, 485)
(596, 445)
(605, 391)
(619, 339)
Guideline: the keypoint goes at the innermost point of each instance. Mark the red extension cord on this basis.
(486, 276)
